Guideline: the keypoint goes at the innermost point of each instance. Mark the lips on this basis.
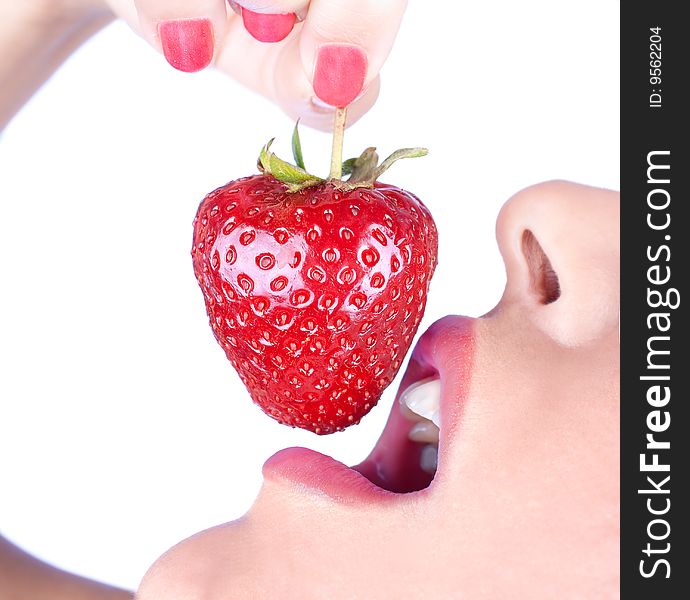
(445, 352)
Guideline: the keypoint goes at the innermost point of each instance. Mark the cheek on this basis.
(535, 473)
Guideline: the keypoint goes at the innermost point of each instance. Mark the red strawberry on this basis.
(314, 288)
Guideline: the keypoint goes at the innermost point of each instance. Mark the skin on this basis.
(525, 502)
(36, 37)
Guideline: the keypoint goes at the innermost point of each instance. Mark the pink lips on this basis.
(446, 350)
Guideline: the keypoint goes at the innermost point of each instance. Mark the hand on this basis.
(334, 46)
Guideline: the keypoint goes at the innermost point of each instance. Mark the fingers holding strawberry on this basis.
(334, 58)
(306, 56)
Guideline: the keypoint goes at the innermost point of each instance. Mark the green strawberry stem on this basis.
(337, 151)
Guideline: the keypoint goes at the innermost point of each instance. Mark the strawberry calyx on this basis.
(295, 177)
(363, 171)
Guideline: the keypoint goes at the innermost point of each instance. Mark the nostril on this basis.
(543, 279)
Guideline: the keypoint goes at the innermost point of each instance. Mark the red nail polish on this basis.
(268, 28)
(187, 43)
(339, 73)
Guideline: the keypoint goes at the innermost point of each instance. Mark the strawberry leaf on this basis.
(288, 173)
(397, 155)
(364, 167)
(349, 165)
(263, 162)
(295, 177)
(297, 148)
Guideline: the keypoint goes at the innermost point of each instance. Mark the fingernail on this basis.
(187, 43)
(339, 73)
(268, 27)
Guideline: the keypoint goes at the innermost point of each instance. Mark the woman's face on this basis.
(525, 499)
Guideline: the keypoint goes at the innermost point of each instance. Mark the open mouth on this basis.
(406, 457)
(410, 453)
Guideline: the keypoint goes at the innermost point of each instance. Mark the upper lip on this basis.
(445, 350)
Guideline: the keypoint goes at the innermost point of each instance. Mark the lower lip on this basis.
(446, 349)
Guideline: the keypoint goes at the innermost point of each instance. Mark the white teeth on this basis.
(424, 399)
(425, 432)
(428, 460)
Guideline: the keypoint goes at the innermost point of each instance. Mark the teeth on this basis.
(424, 398)
(421, 403)
(428, 461)
(424, 432)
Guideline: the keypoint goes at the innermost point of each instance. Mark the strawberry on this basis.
(315, 288)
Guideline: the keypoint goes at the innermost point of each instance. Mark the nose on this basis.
(560, 244)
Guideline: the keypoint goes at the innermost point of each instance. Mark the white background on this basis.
(123, 428)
